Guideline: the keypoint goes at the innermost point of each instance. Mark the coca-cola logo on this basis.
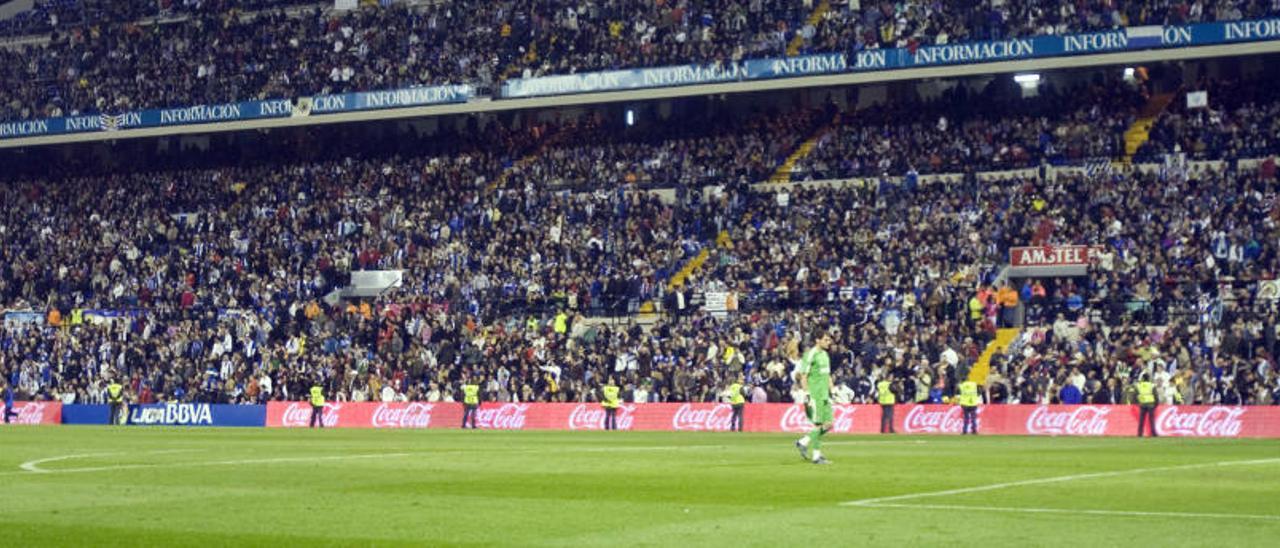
(716, 417)
(796, 420)
(508, 416)
(298, 415)
(1085, 420)
(587, 416)
(31, 413)
(921, 419)
(1214, 422)
(412, 415)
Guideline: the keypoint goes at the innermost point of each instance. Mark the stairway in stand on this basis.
(797, 41)
(1140, 131)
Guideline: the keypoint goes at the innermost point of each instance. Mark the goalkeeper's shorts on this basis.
(819, 412)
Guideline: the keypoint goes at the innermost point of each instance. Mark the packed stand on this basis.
(853, 25)
(1075, 362)
(991, 129)
(922, 244)
(1241, 120)
(57, 15)
(685, 151)
(211, 284)
(215, 57)
(103, 59)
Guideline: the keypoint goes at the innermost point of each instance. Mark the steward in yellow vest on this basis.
(317, 405)
(886, 397)
(969, 401)
(470, 402)
(115, 401)
(609, 400)
(739, 403)
(1146, 404)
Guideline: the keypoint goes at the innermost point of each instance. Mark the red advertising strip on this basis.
(1034, 420)
(36, 412)
(1053, 255)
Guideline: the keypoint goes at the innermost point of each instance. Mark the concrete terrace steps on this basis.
(783, 173)
(981, 368)
(1140, 131)
(530, 57)
(501, 180)
(797, 41)
(692, 265)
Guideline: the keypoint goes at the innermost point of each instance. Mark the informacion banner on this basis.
(1126, 39)
(1035, 420)
(232, 112)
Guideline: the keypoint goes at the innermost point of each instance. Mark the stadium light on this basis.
(1027, 79)
(631, 117)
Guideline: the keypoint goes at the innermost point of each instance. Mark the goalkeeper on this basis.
(814, 376)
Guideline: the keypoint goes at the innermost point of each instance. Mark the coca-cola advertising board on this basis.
(35, 412)
(1034, 420)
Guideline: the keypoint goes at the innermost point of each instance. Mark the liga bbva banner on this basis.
(1034, 420)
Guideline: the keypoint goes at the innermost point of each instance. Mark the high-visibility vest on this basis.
(610, 397)
(115, 392)
(975, 308)
(471, 394)
(317, 396)
(562, 323)
(735, 394)
(1146, 393)
(885, 393)
(969, 394)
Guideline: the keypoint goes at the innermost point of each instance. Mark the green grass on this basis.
(202, 487)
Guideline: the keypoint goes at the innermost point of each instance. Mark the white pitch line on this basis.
(1071, 512)
(36, 469)
(33, 466)
(1055, 479)
(876, 442)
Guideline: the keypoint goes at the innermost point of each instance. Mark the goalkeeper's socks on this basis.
(804, 441)
(817, 455)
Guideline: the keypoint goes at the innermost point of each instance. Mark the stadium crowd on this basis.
(214, 284)
(713, 149)
(55, 15)
(856, 25)
(117, 56)
(989, 129)
(1239, 121)
(903, 311)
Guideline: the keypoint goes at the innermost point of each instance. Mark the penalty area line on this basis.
(875, 442)
(1055, 479)
(33, 467)
(1073, 512)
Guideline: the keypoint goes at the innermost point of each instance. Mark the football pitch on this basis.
(100, 486)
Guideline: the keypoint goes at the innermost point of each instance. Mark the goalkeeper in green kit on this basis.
(814, 376)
